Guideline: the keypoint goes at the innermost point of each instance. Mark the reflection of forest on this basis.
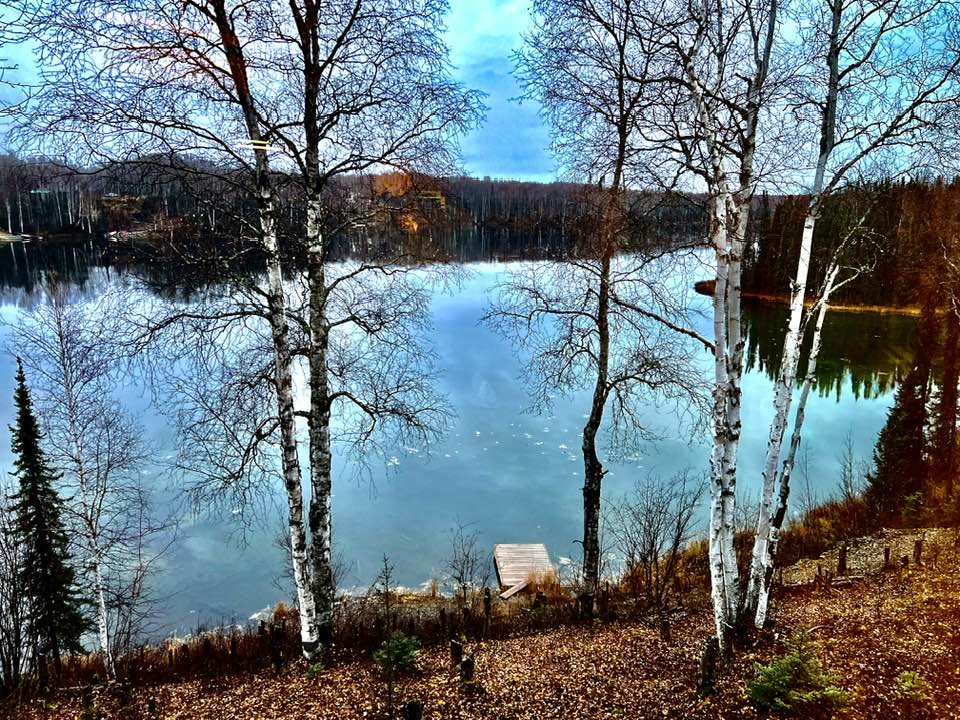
(873, 350)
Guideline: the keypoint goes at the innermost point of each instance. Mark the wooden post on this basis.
(456, 653)
(487, 610)
(917, 551)
(707, 675)
(664, 629)
(443, 622)
(467, 667)
(842, 560)
(886, 557)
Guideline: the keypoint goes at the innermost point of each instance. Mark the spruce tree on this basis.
(900, 456)
(55, 619)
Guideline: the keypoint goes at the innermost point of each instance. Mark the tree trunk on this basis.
(103, 626)
(320, 453)
(593, 471)
(768, 559)
(722, 552)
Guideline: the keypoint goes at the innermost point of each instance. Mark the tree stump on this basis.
(842, 560)
(904, 561)
(412, 710)
(886, 557)
(467, 667)
(917, 551)
(456, 653)
(707, 674)
(664, 629)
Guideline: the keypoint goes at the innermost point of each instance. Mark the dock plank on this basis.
(516, 562)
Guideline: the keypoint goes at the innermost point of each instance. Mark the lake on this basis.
(515, 477)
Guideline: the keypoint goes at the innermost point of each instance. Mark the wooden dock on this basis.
(516, 563)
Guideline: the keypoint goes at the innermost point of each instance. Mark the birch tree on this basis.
(881, 86)
(376, 93)
(321, 91)
(722, 54)
(98, 449)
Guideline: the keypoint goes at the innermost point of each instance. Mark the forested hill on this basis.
(899, 240)
(190, 198)
(896, 235)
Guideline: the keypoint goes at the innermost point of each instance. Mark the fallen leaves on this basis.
(867, 633)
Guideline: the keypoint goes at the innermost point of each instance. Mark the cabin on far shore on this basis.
(517, 563)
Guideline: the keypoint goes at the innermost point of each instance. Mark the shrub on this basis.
(825, 526)
(398, 653)
(911, 686)
(795, 683)
(315, 670)
(913, 510)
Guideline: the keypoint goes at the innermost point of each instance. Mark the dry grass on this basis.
(614, 670)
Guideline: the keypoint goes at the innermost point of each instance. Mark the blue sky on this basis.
(513, 142)
(482, 35)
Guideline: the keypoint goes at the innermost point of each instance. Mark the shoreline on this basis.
(705, 287)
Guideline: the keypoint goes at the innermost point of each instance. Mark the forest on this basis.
(899, 234)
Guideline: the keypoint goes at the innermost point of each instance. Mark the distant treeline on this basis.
(899, 232)
(188, 197)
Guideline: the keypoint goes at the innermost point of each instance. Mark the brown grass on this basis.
(606, 670)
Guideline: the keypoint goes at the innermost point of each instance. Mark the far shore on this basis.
(705, 287)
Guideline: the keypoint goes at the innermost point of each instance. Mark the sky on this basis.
(513, 142)
(482, 35)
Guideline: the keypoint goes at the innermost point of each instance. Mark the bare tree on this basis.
(69, 347)
(468, 564)
(651, 526)
(598, 320)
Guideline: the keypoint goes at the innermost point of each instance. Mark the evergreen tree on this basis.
(944, 440)
(900, 462)
(55, 619)
(899, 454)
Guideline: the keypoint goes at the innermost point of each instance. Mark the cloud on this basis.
(513, 142)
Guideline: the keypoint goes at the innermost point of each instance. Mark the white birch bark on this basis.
(321, 481)
(783, 391)
(782, 397)
(724, 580)
(776, 522)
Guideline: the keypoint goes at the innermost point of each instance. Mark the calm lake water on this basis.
(515, 477)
